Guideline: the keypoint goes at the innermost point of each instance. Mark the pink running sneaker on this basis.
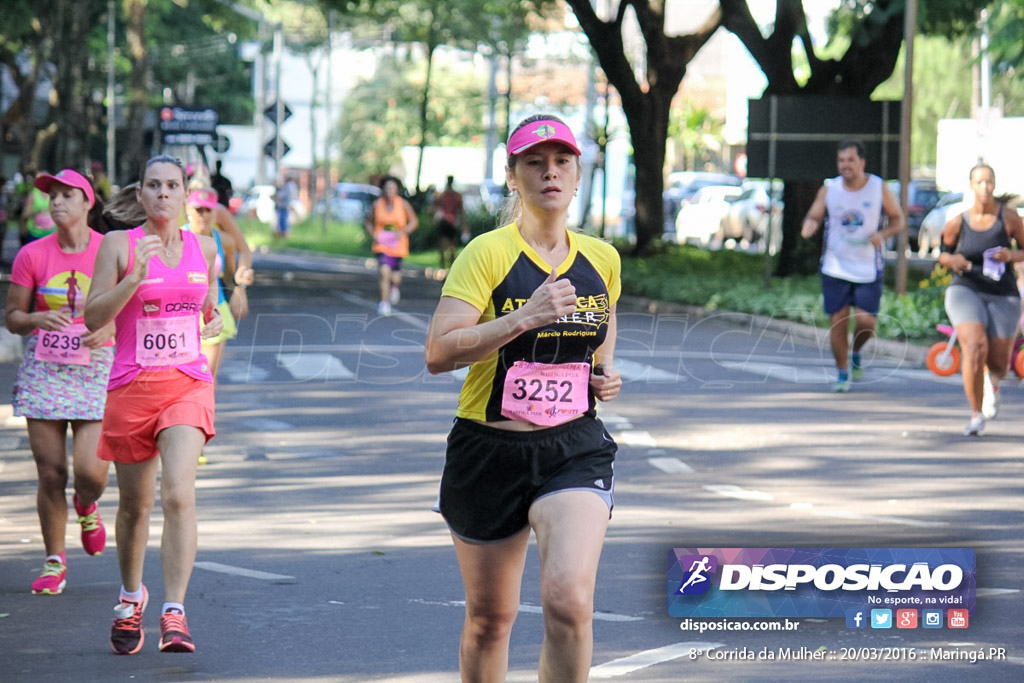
(94, 534)
(174, 635)
(53, 579)
(126, 636)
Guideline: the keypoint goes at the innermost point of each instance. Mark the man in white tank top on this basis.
(852, 265)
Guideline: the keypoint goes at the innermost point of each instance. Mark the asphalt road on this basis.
(320, 560)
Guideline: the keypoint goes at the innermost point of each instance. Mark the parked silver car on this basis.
(746, 219)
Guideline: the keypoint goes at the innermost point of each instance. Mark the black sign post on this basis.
(794, 138)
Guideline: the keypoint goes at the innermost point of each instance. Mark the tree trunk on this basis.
(424, 100)
(798, 256)
(135, 153)
(71, 58)
(649, 127)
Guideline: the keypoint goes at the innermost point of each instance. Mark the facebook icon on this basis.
(855, 618)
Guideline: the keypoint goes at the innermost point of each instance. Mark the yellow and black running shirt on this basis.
(497, 273)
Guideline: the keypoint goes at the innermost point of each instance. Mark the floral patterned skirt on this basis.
(61, 391)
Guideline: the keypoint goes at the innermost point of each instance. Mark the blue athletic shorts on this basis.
(840, 294)
(492, 476)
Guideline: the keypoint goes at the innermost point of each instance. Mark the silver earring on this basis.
(576, 192)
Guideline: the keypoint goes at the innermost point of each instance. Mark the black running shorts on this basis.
(492, 476)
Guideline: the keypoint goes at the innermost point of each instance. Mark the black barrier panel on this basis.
(806, 129)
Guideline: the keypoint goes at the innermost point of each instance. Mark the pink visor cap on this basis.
(69, 178)
(203, 199)
(537, 132)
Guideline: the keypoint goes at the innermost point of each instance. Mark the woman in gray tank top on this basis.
(983, 301)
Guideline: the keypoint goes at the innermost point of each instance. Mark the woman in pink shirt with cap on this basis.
(157, 281)
(62, 378)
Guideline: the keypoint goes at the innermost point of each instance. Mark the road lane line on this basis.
(632, 371)
(240, 571)
(636, 438)
(906, 521)
(313, 366)
(670, 465)
(733, 491)
(642, 660)
(982, 592)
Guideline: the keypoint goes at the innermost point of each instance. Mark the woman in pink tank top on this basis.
(62, 378)
(155, 281)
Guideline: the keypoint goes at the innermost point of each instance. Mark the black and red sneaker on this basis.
(174, 635)
(126, 636)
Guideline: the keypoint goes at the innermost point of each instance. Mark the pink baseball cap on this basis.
(543, 130)
(203, 199)
(71, 179)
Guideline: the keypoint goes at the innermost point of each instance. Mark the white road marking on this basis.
(795, 374)
(670, 465)
(886, 519)
(240, 571)
(266, 424)
(613, 420)
(733, 491)
(642, 660)
(982, 592)
(526, 608)
(632, 371)
(636, 438)
(313, 366)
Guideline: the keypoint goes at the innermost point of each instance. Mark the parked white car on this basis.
(746, 219)
(929, 237)
(699, 218)
(952, 204)
(259, 203)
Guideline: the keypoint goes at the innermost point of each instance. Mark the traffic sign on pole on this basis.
(271, 113)
(270, 148)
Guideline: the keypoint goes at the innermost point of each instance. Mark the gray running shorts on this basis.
(999, 314)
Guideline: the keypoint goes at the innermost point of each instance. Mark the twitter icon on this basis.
(881, 618)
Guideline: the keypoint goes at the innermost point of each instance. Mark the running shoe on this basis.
(126, 636)
(174, 635)
(842, 386)
(396, 296)
(94, 534)
(856, 369)
(976, 427)
(990, 399)
(52, 580)
(383, 308)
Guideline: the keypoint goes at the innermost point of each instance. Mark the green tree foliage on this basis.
(381, 115)
(646, 99)
(182, 47)
(945, 92)
(460, 24)
(1006, 27)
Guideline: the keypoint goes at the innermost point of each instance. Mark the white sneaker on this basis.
(976, 427)
(383, 308)
(396, 296)
(990, 399)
